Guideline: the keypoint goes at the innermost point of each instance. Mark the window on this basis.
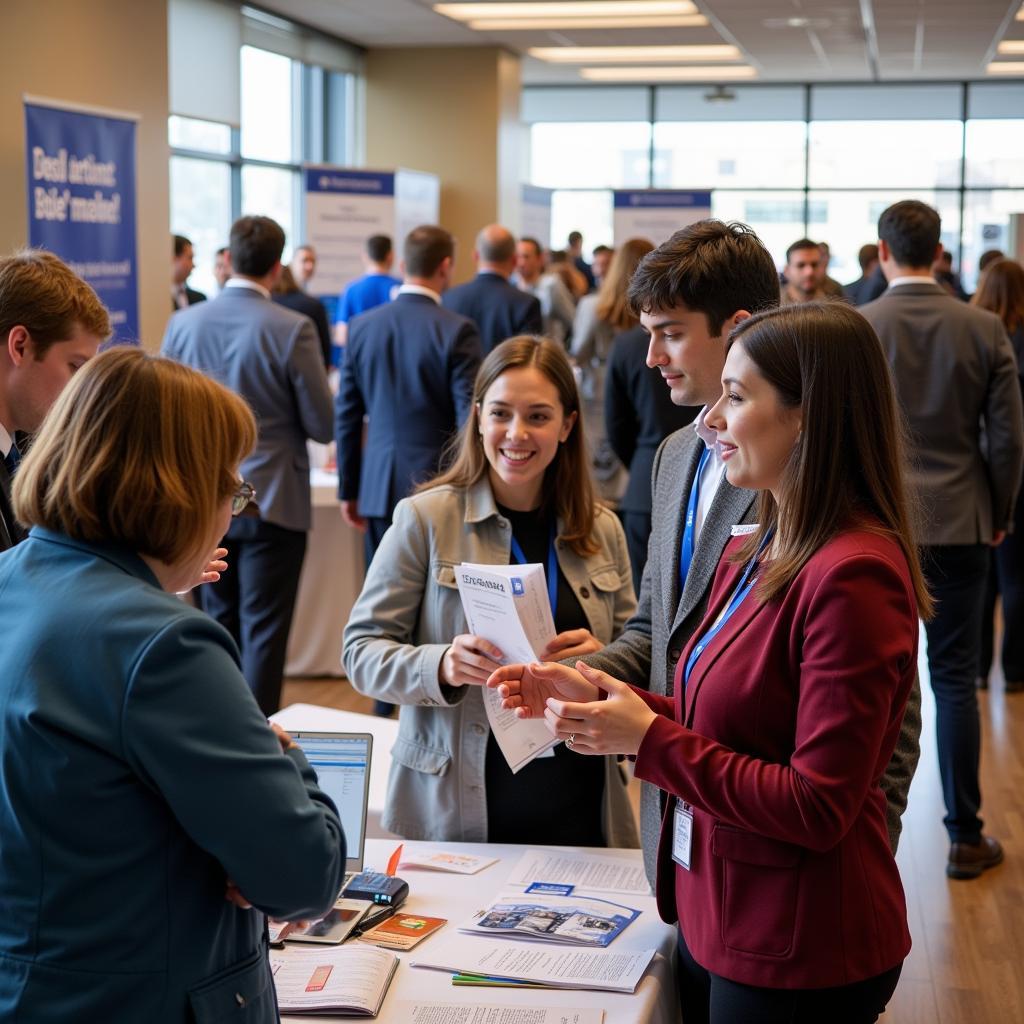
(987, 226)
(272, 192)
(201, 211)
(268, 102)
(614, 154)
(589, 212)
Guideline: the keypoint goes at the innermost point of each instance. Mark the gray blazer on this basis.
(271, 357)
(404, 621)
(956, 378)
(647, 652)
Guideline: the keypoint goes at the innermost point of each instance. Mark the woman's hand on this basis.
(469, 661)
(573, 643)
(211, 571)
(616, 725)
(283, 737)
(527, 688)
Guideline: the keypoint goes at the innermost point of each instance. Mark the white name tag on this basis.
(743, 529)
(682, 835)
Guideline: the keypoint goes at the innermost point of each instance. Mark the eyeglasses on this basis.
(245, 493)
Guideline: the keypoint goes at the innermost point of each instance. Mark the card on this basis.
(402, 931)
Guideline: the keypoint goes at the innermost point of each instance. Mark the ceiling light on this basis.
(625, 54)
(564, 8)
(709, 73)
(1006, 67)
(1014, 46)
(621, 21)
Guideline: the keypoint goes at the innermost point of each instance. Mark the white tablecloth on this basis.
(332, 576)
(458, 897)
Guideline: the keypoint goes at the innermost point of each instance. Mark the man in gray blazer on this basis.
(957, 382)
(271, 356)
(690, 292)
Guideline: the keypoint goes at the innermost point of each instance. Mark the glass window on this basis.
(201, 210)
(590, 213)
(615, 154)
(987, 226)
(995, 152)
(777, 217)
(272, 192)
(267, 106)
(851, 218)
(205, 136)
(885, 154)
(741, 154)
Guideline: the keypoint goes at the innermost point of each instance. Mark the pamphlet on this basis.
(445, 860)
(508, 605)
(590, 871)
(568, 920)
(402, 931)
(351, 980)
(459, 1013)
(599, 969)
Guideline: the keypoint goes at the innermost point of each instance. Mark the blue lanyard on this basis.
(745, 585)
(686, 548)
(520, 558)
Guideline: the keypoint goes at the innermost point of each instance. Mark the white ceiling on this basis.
(867, 40)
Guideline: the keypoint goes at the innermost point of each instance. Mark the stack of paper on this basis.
(352, 980)
(445, 860)
(460, 1013)
(592, 871)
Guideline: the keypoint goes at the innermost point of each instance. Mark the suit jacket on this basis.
(778, 744)
(137, 775)
(11, 531)
(193, 297)
(272, 358)
(312, 307)
(956, 379)
(649, 649)
(500, 310)
(639, 414)
(409, 367)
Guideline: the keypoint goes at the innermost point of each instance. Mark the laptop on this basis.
(341, 761)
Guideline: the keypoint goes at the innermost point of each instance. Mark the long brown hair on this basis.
(567, 485)
(847, 468)
(1001, 290)
(612, 301)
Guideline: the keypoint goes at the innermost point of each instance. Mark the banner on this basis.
(657, 213)
(81, 201)
(535, 213)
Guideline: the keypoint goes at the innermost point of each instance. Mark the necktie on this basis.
(12, 459)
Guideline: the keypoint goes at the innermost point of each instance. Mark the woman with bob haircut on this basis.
(774, 856)
(518, 490)
(144, 800)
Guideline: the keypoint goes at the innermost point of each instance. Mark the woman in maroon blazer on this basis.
(788, 700)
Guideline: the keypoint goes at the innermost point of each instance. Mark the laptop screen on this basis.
(341, 761)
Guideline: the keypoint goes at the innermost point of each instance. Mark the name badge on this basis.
(682, 835)
(744, 529)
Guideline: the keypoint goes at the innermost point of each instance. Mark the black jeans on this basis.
(707, 998)
(637, 527)
(255, 599)
(956, 575)
(1006, 577)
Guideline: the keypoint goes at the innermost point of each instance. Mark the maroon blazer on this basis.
(791, 713)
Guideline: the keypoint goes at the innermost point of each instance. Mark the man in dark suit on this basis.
(51, 324)
(639, 414)
(409, 368)
(500, 310)
(182, 264)
(575, 252)
(859, 292)
(956, 379)
(689, 293)
(272, 358)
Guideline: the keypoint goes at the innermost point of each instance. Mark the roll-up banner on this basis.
(657, 213)
(81, 200)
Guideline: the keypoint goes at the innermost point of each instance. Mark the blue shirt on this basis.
(365, 293)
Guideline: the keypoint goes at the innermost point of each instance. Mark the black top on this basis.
(310, 306)
(553, 800)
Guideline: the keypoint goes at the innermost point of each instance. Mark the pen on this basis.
(369, 922)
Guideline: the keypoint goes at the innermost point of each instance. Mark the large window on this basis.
(815, 160)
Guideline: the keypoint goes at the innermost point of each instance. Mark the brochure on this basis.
(445, 860)
(350, 980)
(569, 920)
(402, 931)
(590, 871)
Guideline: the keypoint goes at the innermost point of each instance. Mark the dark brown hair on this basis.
(912, 230)
(567, 484)
(41, 293)
(848, 466)
(613, 298)
(1001, 290)
(256, 244)
(425, 249)
(709, 267)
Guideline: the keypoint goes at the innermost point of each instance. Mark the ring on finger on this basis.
(571, 740)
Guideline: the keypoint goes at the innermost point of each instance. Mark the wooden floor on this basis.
(967, 964)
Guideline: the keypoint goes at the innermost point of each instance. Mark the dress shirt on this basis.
(6, 442)
(418, 289)
(714, 471)
(897, 282)
(179, 296)
(244, 282)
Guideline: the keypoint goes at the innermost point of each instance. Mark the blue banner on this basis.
(345, 182)
(81, 203)
(662, 198)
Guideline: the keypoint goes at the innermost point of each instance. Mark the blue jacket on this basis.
(137, 775)
(409, 367)
(499, 309)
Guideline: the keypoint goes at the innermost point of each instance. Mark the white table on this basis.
(332, 576)
(312, 718)
(458, 897)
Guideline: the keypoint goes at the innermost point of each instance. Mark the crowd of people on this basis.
(747, 489)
